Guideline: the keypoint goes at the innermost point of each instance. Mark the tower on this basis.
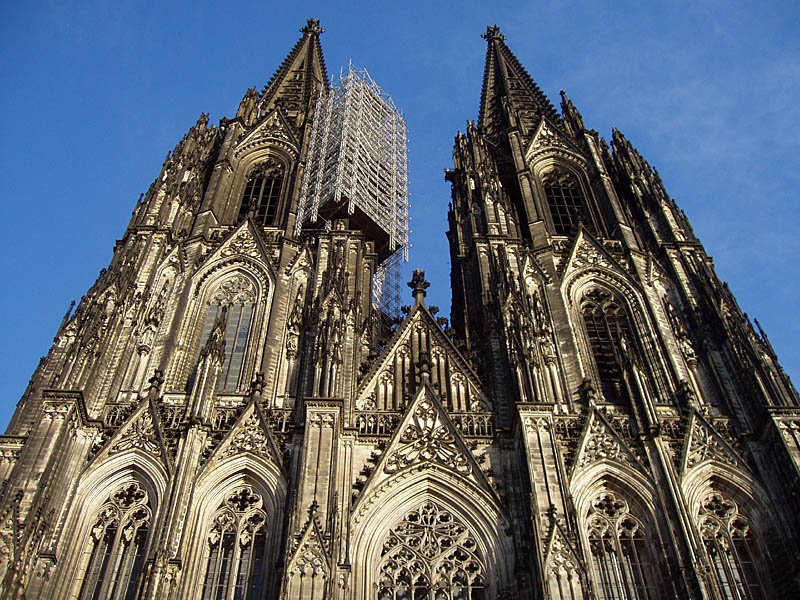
(653, 424)
(233, 410)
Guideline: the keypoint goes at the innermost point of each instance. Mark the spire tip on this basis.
(312, 27)
(493, 33)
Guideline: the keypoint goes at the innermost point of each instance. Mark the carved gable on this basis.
(242, 242)
(420, 344)
(548, 137)
(250, 434)
(309, 554)
(426, 440)
(705, 444)
(588, 253)
(141, 431)
(601, 442)
(272, 130)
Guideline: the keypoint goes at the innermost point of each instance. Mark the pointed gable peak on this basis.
(505, 80)
(426, 442)
(301, 74)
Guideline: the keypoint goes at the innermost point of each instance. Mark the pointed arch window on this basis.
(610, 337)
(431, 554)
(620, 559)
(231, 308)
(732, 552)
(565, 201)
(236, 548)
(262, 193)
(117, 546)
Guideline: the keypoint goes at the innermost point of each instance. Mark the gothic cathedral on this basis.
(235, 411)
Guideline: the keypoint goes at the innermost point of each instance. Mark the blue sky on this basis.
(96, 93)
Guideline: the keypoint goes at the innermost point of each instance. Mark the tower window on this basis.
(565, 201)
(262, 193)
(731, 551)
(117, 546)
(609, 333)
(236, 545)
(620, 557)
(231, 309)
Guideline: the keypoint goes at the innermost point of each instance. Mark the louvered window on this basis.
(262, 193)
(610, 338)
(565, 201)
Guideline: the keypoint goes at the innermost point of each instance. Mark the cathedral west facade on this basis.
(230, 412)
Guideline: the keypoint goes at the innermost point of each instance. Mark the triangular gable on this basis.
(704, 444)
(426, 439)
(244, 241)
(175, 258)
(548, 137)
(309, 554)
(250, 434)
(141, 431)
(560, 556)
(587, 252)
(532, 268)
(302, 261)
(600, 441)
(401, 339)
(273, 128)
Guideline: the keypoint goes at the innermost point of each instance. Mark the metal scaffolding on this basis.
(357, 162)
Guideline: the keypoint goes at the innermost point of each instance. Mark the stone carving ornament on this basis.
(427, 438)
(431, 554)
(249, 437)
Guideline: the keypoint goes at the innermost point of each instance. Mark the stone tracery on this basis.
(431, 554)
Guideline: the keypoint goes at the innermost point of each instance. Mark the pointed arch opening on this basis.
(740, 540)
(234, 530)
(565, 201)
(625, 551)
(610, 336)
(114, 554)
(230, 310)
(429, 532)
(230, 316)
(431, 553)
(263, 192)
(236, 548)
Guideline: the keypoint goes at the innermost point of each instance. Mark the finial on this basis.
(156, 381)
(312, 508)
(257, 385)
(418, 285)
(312, 27)
(493, 33)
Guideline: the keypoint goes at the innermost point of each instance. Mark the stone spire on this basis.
(306, 58)
(508, 86)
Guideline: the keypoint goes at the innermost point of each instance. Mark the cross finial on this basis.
(312, 27)
(418, 285)
(493, 33)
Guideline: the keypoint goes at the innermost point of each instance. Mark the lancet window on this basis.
(620, 559)
(262, 193)
(236, 548)
(610, 339)
(565, 201)
(232, 308)
(117, 545)
(430, 554)
(730, 547)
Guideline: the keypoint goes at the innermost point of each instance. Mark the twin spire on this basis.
(508, 86)
(306, 60)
